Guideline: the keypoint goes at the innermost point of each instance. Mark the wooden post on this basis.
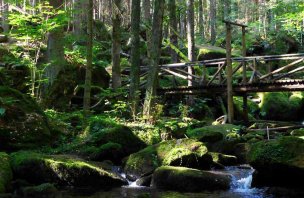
(229, 73)
(245, 105)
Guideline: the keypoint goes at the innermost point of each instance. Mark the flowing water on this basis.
(240, 188)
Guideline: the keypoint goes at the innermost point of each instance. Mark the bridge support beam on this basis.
(229, 74)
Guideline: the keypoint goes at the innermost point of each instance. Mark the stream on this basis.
(240, 187)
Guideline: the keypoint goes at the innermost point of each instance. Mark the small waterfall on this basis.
(118, 171)
(241, 178)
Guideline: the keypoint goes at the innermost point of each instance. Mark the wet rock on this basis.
(182, 152)
(278, 162)
(189, 180)
(144, 181)
(226, 160)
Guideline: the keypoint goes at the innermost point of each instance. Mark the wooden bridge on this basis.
(249, 74)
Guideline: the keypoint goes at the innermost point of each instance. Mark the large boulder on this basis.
(63, 170)
(278, 162)
(105, 139)
(226, 160)
(213, 133)
(109, 143)
(5, 172)
(67, 90)
(182, 152)
(189, 180)
(23, 125)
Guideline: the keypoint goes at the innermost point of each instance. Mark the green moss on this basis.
(182, 152)
(226, 160)
(279, 106)
(253, 108)
(285, 150)
(39, 168)
(5, 172)
(298, 132)
(24, 125)
(212, 133)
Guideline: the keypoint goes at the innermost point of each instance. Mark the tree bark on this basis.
(135, 57)
(201, 19)
(213, 21)
(116, 44)
(80, 19)
(88, 75)
(4, 13)
(55, 49)
(191, 44)
(147, 21)
(173, 29)
(155, 53)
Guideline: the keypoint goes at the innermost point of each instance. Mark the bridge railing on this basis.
(255, 66)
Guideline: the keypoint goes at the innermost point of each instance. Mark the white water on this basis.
(131, 184)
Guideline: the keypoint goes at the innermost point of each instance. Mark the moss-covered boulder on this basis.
(212, 133)
(109, 142)
(189, 180)
(182, 152)
(23, 125)
(63, 170)
(278, 162)
(226, 160)
(281, 106)
(67, 90)
(5, 172)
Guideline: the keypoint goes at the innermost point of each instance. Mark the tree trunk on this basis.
(147, 21)
(173, 29)
(80, 19)
(191, 43)
(135, 57)
(55, 50)
(155, 53)
(116, 44)
(4, 13)
(201, 19)
(213, 21)
(88, 76)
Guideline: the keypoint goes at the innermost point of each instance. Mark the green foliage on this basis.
(6, 174)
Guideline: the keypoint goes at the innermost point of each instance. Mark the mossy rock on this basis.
(63, 170)
(41, 190)
(226, 160)
(212, 133)
(210, 52)
(110, 143)
(23, 125)
(5, 172)
(259, 135)
(67, 90)
(189, 180)
(182, 152)
(278, 162)
(281, 106)
(297, 132)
